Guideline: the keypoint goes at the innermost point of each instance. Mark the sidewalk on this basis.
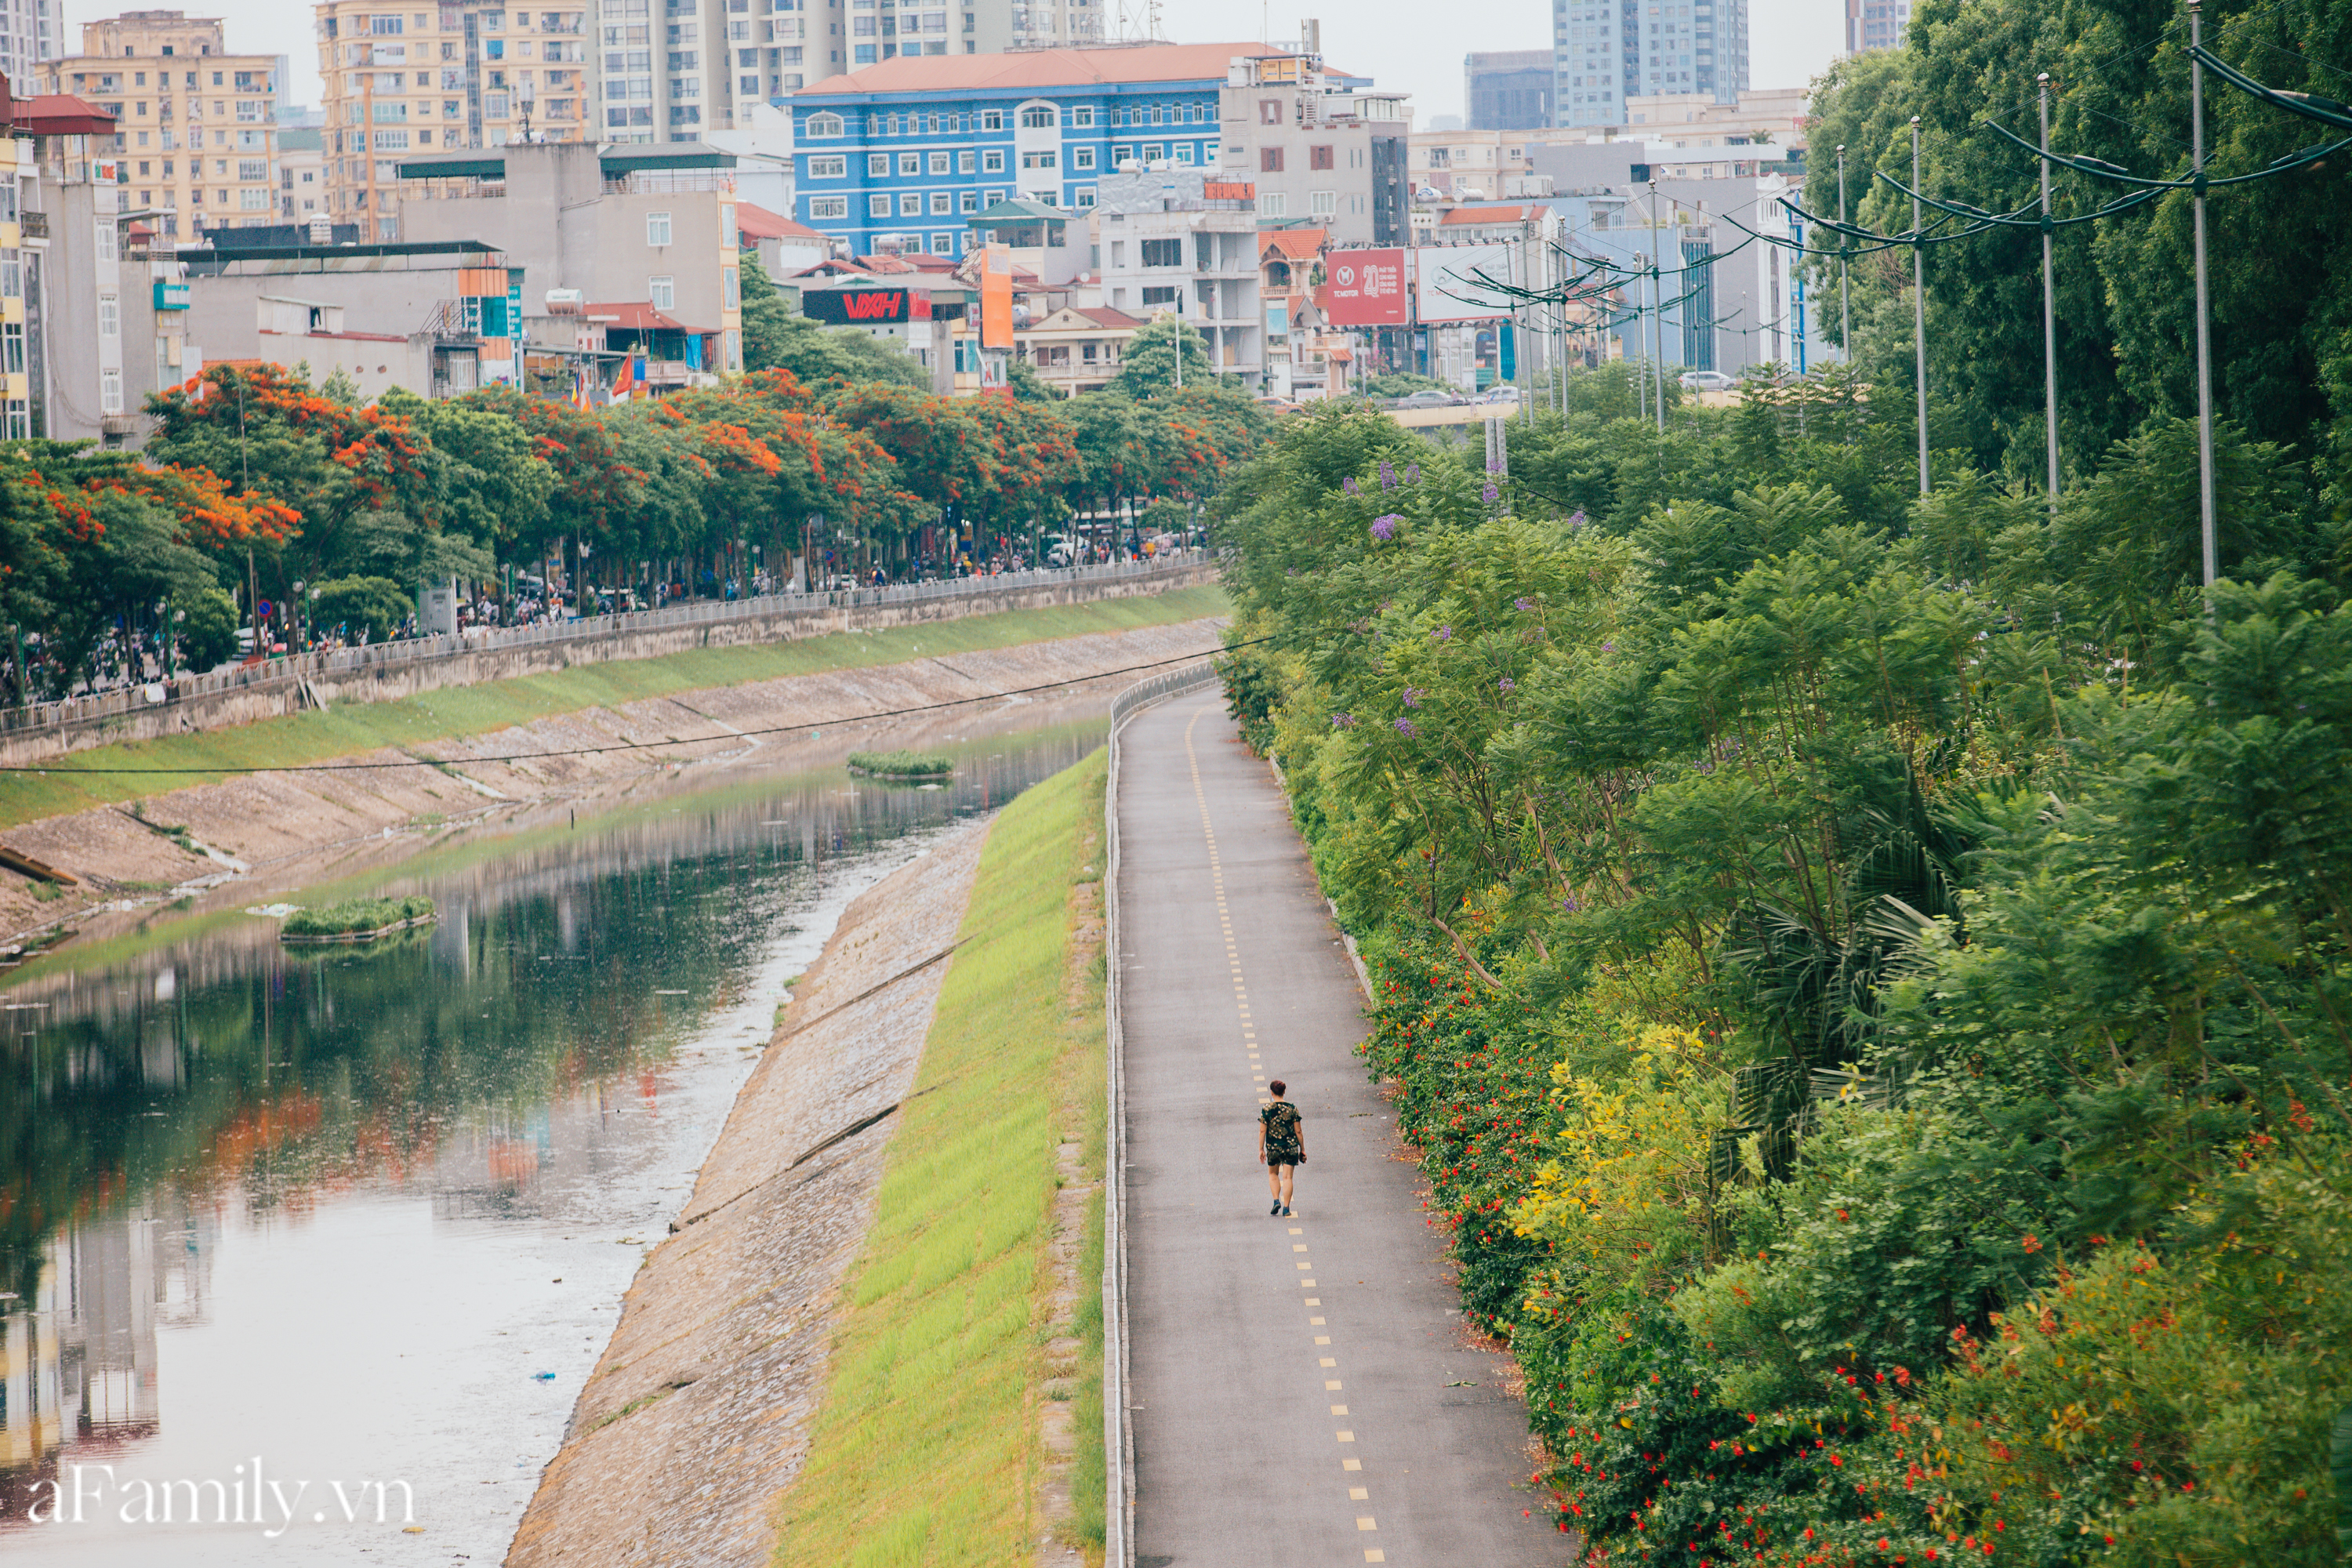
(1305, 1389)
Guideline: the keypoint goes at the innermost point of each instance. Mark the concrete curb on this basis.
(1118, 1430)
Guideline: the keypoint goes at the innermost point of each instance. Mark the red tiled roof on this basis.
(1298, 244)
(60, 114)
(1488, 215)
(1103, 316)
(1041, 68)
(761, 224)
(637, 316)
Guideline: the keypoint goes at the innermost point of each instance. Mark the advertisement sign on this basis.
(858, 307)
(1455, 284)
(1365, 288)
(996, 297)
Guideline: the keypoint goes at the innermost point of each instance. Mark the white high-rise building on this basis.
(1605, 51)
(31, 31)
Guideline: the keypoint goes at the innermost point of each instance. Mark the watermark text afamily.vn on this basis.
(99, 1495)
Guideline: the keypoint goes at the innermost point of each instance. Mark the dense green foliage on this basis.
(2282, 279)
(355, 916)
(902, 764)
(1867, 975)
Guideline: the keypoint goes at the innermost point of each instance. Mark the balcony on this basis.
(36, 225)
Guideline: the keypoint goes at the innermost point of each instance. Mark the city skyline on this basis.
(1793, 41)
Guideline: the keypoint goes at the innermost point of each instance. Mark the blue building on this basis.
(913, 148)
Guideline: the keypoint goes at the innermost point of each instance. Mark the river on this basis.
(328, 1240)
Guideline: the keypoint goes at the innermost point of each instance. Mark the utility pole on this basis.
(2049, 306)
(1657, 309)
(1919, 304)
(2204, 324)
(1845, 247)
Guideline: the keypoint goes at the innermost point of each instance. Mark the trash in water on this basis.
(544, 1376)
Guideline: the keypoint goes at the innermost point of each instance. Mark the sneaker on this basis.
(1285, 1211)
(1276, 1209)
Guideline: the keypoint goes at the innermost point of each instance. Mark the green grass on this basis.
(902, 764)
(927, 1448)
(355, 915)
(76, 782)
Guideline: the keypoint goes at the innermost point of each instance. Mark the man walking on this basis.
(1281, 1146)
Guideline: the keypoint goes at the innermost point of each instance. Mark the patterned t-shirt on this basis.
(1280, 1121)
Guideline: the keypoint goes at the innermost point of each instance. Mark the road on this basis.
(1305, 1389)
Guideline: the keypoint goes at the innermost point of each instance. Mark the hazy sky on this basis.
(1416, 45)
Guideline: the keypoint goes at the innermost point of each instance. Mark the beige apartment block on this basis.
(403, 79)
(198, 140)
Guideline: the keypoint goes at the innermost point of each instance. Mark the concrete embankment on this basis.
(697, 1416)
(392, 672)
(262, 833)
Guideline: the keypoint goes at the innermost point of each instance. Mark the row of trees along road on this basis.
(259, 478)
(1868, 978)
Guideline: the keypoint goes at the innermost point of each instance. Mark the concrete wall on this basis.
(393, 670)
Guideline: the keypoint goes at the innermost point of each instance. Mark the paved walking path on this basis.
(1306, 1393)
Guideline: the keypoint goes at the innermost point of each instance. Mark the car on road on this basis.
(1428, 397)
(1708, 381)
(1502, 394)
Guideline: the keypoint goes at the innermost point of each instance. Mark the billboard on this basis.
(996, 297)
(1365, 288)
(1453, 288)
(866, 306)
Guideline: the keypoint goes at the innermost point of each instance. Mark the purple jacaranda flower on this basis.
(1404, 727)
(1384, 528)
(1387, 475)
(1609, 647)
(1343, 720)
(1444, 633)
(1576, 518)
(1491, 494)
(1523, 604)
(1506, 684)
(1349, 484)
(1570, 904)
(1412, 696)
(1494, 465)
(1359, 626)
(1412, 473)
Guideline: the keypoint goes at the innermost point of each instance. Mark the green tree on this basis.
(1148, 365)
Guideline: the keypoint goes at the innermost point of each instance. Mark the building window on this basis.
(657, 229)
(966, 161)
(833, 168)
(878, 206)
(992, 160)
(1170, 297)
(734, 341)
(823, 208)
(910, 204)
(942, 204)
(1184, 154)
(1036, 117)
(1319, 157)
(1082, 119)
(106, 239)
(253, 199)
(730, 289)
(110, 316)
(878, 165)
(1085, 197)
(938, 162)
(663, 292)
(1269, 159)
(943, 245)
(1163, 253)
(1269, 112)
(991, 119)
(968, 202)
(910, 165)
(1038, 159)
(823, 125)
(1082, 157)
(1271, 204)
(110, 391)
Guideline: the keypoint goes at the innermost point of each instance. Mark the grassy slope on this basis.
(73, 784)
(928, 1448)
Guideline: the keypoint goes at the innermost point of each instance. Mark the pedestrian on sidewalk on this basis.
(1281, 1146)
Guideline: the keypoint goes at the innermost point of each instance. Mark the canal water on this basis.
(327, 1241)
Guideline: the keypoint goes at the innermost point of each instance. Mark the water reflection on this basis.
(226, 1165)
